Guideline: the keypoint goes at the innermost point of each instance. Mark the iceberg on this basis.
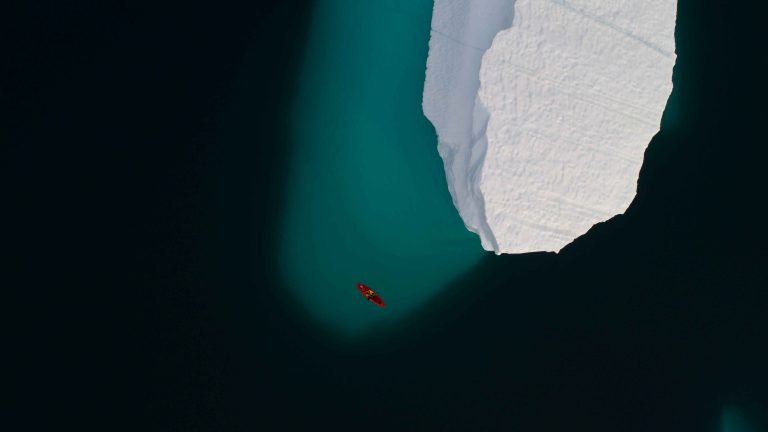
(543, 110)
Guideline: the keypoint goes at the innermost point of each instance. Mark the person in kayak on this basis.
(370, 294)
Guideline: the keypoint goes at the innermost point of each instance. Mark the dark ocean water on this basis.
(146, 180)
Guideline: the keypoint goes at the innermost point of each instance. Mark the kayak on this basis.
(370, 295)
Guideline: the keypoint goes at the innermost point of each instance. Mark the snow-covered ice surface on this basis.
(543, 110)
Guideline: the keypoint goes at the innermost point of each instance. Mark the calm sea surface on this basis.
(367, 197)
(196, 188)
(652, 318)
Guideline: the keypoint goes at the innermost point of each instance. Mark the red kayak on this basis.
(370, 295)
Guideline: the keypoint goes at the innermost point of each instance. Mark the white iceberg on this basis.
(543, 110)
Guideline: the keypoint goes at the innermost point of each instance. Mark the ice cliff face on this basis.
(543, 110)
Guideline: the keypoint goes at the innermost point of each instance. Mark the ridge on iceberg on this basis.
(543, 111)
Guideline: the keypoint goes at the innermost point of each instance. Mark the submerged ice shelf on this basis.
(543, 110)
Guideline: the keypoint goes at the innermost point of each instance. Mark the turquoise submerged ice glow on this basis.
(733, 420)
(367, 196)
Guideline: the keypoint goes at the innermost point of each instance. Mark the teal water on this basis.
(367, 196)
(733, 420)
